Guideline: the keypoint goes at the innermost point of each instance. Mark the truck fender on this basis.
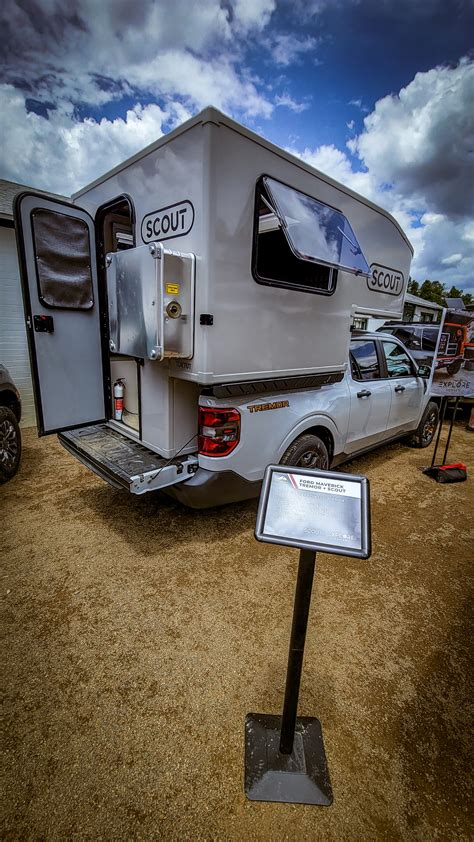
(307, 424)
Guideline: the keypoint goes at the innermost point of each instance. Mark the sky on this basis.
(378, 94)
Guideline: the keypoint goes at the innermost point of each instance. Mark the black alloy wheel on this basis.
(307, 451)
(10, 444)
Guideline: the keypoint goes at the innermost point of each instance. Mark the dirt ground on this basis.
(138, 634)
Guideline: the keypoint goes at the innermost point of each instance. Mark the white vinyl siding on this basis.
(13, 342)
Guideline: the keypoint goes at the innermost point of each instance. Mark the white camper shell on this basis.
(210, 266)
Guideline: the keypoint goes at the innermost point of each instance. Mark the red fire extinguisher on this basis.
(119, 388)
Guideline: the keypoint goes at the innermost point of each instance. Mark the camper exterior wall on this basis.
(263, 331)
(258, 331)
(172, 173)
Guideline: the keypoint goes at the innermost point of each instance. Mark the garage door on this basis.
(13, 342)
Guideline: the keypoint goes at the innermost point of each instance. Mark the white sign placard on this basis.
(320, 510)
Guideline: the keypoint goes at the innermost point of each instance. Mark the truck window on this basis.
(63, 258)
(430, 336)
(410, 336)
(398, 362)
(364, 360)
(273, 260)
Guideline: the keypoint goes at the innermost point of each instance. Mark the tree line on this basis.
(437, 292)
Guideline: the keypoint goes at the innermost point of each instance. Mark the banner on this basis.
(453, 368)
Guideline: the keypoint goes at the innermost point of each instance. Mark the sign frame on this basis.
(365, 549)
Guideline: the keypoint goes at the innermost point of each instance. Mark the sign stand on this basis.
(314, 511)
(429, 470)
(284, 756)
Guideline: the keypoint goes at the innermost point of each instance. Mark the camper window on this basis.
(275, 263)
(315, 231)
(63, 260)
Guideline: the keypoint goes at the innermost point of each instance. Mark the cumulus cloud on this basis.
(416, 159)
(422, 140)
(60, 153)
(91, 53)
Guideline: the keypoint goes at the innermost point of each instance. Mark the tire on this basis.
(10, 444)
(307, 451)
(453, 368)
(425, 432)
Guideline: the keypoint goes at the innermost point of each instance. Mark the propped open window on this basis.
(301, 242)
(314, 230)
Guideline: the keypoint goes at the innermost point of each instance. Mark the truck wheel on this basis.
(10, 444)
(307, 451)
(453, 368)
(424, 434)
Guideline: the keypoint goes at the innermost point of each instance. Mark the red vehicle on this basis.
(454, 341)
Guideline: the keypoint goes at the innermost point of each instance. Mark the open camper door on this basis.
(56, 246)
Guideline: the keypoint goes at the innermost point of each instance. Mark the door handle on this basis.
(399, 388)
(364, 394)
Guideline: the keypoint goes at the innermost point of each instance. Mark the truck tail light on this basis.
(219, 431)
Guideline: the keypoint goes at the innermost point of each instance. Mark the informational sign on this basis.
(453, 367)
(316, 510)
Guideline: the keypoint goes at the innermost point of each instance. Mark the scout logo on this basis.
(263, 407)
(383, 279)
(171, 221)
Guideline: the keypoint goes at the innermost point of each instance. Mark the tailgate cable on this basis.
(150, 479)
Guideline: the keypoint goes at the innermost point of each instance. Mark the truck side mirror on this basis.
(424, 371)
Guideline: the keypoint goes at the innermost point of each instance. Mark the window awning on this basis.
(315, 231)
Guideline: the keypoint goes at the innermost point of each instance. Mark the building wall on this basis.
(13, 342)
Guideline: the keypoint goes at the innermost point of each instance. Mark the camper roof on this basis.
(212, 115)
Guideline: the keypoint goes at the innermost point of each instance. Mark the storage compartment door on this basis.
(56, 248)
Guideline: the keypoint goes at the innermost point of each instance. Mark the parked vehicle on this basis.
(10, 417)
(453, 342)
(188, 332)
(419, 337)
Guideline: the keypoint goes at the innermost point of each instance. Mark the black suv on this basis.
(419, 337)
(10, 436)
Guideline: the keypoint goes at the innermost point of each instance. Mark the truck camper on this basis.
(189, 314)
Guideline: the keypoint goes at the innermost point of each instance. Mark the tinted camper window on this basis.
(275, 263)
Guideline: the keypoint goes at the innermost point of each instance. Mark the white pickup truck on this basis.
(382, 397)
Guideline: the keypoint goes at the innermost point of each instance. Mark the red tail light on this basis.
(219, 431)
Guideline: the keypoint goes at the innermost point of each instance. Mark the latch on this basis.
(43, 324)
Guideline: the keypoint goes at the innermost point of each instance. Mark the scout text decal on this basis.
(384, 279)
(171, 221)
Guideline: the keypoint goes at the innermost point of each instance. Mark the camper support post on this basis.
(304, 585)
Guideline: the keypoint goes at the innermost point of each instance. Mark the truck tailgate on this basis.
(125, 463)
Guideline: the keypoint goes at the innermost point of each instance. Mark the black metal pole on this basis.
(304, 584)
(450, 431)
(444, 403)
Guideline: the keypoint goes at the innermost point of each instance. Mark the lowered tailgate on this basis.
(125, 463)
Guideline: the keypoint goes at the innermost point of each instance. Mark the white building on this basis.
(416, 309)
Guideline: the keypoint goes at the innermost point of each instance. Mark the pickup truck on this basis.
(382, 397)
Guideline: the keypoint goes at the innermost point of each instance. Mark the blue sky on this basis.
(377, 93)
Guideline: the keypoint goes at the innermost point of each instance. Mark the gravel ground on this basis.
(138, 634)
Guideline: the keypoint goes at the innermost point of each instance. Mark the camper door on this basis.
(56, 246)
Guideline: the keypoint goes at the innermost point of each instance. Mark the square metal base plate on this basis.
(301, 777)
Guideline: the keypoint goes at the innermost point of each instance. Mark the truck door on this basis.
(56, 247)
(407, 390)
(369, 397)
